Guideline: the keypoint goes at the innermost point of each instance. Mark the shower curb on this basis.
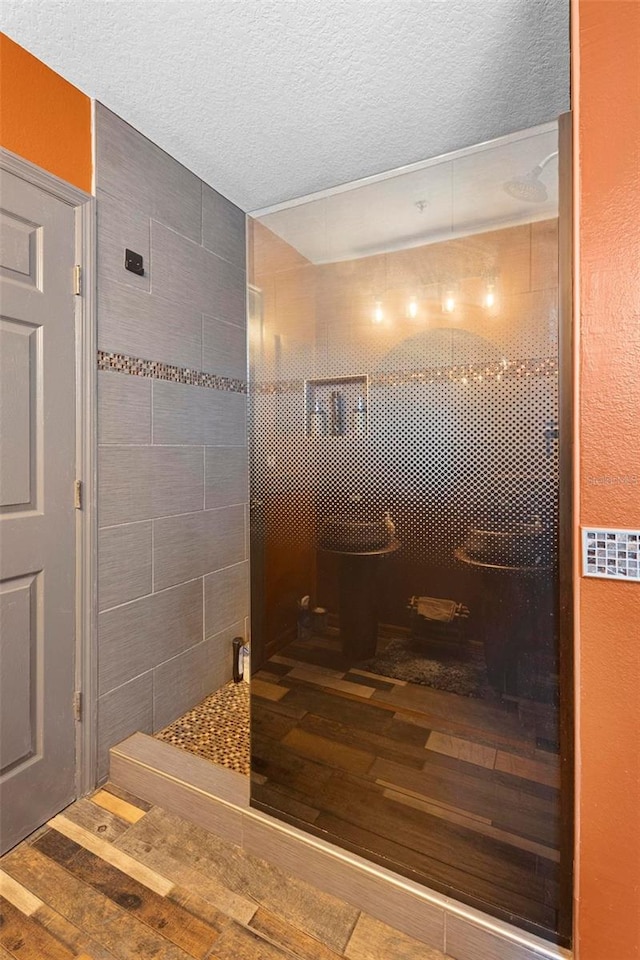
(217, 799)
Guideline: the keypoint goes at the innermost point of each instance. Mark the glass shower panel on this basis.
(404, 521)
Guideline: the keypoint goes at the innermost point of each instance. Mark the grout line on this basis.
(204, 478)
(150, 264)
(239, 270)
(153, 700)
(174, 516)
(157, 593)
(359, 914)
(201, 241)
(121, 685)
(179, 446)
(126, 523)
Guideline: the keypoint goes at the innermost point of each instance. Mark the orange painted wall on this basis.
(607, 116)
(43, 118)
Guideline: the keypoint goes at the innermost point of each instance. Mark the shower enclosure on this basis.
(405, 521)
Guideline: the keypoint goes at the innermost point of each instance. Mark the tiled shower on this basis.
(403, 412)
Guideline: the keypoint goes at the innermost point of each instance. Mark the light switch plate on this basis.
(611, 554)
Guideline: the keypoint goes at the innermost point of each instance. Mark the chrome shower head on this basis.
(529, 187)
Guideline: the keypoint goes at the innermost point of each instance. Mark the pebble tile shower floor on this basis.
(216, 729)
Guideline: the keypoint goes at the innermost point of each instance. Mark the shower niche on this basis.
(405, 526)
(337, 406)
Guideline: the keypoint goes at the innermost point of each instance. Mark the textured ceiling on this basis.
(272, 99)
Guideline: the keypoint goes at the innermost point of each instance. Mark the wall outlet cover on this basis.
(133, 261)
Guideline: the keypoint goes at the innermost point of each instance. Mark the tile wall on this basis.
(172, 474)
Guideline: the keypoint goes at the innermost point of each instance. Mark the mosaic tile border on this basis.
(464, 374)
(611, 554)
(139, 367)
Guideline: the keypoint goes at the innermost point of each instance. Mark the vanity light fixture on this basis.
(378, 312)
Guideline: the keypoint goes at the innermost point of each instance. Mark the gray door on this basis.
(37, 517)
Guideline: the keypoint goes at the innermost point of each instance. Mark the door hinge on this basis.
(77, 494)
(77, 705)
(77, 280)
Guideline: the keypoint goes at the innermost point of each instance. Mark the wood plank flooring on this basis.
(448, 790)
(113, 878)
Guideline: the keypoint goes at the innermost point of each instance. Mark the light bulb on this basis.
(449, 302)
(412, 308)
(490, 296)
(378, 312)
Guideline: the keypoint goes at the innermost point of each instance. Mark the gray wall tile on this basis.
(181, 683)
(122, 712)
(187, 273)
(141, 635)
(137, 483)
(122, 226)
(226, 476)
(124, 563)
(198, 415)
(223, 227)
(224, 348)
(187, 310)
(195, 544)
(226, 597)
(140, 174)
(124, 408)
(143, 325)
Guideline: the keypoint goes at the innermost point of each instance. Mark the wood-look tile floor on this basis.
(113, 878)
(449, 790)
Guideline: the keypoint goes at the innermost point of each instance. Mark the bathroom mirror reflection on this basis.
(404, 522)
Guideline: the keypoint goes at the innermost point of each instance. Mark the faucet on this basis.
(550, 434)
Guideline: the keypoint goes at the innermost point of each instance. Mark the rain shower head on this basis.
(529, 187)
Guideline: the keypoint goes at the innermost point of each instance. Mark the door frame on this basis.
(86, 445)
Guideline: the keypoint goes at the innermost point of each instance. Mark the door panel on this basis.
(19, 628)
(18, 377)
(37, 517)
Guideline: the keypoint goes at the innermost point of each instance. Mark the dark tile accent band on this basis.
(138, 367)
